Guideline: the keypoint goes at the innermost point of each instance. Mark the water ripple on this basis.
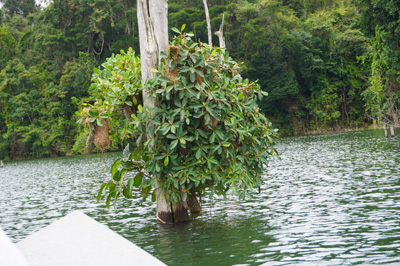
(330, 200)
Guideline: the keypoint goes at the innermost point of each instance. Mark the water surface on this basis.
(330, 200)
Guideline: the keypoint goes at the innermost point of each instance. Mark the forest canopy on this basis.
(326, 65)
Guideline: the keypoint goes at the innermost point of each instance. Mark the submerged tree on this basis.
(204, 136)
(199, 130)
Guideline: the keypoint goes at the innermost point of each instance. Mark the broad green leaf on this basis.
(115, 166)
(171, 136)
(198, 154)
(192, 77)
(175, 30)
(103, 185)
(213, 161)
(173, 144)
(129, 187)
(159, 156)
(164, 79)
(108, 201)
(138, 180)
(117, 175)
(213, 52)
(212, 138)
(136, 154)
(184, 69)
(198, 63)
(126, 152)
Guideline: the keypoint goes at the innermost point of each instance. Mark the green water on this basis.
(331, 200)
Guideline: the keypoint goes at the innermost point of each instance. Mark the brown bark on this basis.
(192, 202)
(180, 212)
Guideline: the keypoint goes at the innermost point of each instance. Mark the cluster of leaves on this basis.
(206, 132)
(128, 174)
(47, 56)
(116, 88)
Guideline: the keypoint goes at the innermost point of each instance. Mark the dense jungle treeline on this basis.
(327, 65)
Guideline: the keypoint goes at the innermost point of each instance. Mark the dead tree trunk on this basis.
(392, 131)
(220, 33)
(153, 35)
(208, 22)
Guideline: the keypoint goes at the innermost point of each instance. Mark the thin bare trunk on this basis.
(208, 22)
(153, 35)
(220, 33)
(153, 32)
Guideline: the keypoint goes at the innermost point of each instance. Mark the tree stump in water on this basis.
(192, 202)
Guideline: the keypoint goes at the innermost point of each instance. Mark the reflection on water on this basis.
(331, 200)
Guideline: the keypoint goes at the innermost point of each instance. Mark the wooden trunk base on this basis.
(192, 202)
(180, 212)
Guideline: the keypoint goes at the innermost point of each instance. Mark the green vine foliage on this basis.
(206, 133)
(116, 88)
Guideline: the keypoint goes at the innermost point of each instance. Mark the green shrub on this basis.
(205, 134)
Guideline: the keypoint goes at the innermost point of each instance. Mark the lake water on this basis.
(330, 200)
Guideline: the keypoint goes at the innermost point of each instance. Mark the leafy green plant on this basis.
(116, 89)
(205, 134)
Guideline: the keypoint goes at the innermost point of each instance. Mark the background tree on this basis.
(318, 60)
(380, 20)
(20, 7)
